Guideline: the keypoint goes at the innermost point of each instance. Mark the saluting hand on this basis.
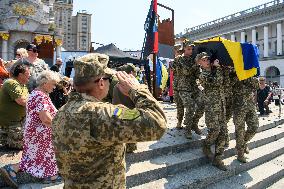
(126, 82)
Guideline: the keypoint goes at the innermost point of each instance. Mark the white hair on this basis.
(48, 76)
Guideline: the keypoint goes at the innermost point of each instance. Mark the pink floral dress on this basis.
(38, 158)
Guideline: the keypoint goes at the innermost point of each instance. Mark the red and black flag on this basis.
(150, 44)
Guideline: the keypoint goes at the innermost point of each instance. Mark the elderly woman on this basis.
(21, 53)
(38, 158)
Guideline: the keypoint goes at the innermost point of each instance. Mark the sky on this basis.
(121, 22)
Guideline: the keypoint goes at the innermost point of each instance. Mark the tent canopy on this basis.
(116, 56)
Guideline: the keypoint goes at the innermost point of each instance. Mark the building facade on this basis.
(24, 22)
(63, 10)
(262, 25)
(81, 27)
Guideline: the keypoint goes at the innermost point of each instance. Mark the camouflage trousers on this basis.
(22, 178)
(130, 147)
(216, 125)
(194, 106)
(241, 117)
(69, 184)
(229, 113)
(12, 135)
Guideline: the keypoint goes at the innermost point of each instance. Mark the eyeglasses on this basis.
(104, 78)
(18, 55)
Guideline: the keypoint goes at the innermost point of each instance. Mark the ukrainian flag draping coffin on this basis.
(243, 56)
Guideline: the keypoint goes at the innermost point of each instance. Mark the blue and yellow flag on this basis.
(243, 55)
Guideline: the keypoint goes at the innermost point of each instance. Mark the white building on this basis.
(25, 22)
(261, 25)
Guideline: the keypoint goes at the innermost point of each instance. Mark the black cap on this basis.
(31, 46)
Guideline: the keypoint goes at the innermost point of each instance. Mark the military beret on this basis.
(91, 65)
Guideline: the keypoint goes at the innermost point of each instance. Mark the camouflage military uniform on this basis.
(229, 80)
(214, 110)
(12, 135)
(89, 135)
(244, 113)
(119, 98)
(187, 95)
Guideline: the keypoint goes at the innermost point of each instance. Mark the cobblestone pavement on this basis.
(172, 136)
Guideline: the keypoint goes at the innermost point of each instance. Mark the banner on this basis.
(150, 44)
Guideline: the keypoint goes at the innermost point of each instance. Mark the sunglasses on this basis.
(18, 55)
(104, 78)
(34, 50)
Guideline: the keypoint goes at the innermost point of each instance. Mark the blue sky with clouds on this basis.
(122, 21)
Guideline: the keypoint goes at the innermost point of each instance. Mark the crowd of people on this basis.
(78, 129)
(65, 128)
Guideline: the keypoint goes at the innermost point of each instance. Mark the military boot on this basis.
(179, 126)
(217, 162)
(227, 142)
(246, 149)
(196, 129)
(241, 157)
(207, 151)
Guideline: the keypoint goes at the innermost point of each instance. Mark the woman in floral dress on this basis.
(38, 158)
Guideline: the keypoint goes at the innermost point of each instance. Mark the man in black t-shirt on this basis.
(56, 67)
(263, 95)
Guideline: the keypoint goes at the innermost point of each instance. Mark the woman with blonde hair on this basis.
(21, 53)
(38, 157)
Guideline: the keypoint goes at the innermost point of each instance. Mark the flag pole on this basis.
(154, 75)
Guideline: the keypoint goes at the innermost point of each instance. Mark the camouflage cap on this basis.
(128, 68)
(201, 56)
(91, 65)
(187, 43)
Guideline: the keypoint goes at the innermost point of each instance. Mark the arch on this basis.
(272, 74)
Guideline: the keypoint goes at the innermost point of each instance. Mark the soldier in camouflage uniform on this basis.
(119, 98)
(186, 92)
(211, 79)
(89, 135)
(244, 112)
(229, 80)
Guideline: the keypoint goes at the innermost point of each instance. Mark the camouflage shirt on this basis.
(229, 80)
(89, 137)
(243, 93)
(213, 88)
(186, 72)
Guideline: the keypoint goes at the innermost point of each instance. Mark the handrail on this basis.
(235, 15)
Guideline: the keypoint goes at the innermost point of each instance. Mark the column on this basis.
(243, 36)
(279, 39)
(253, 36)
(58, 51)
(4, 49)
(233, 37)
(265, 41)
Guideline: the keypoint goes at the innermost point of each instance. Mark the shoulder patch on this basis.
(129, 114)
(117, 112)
